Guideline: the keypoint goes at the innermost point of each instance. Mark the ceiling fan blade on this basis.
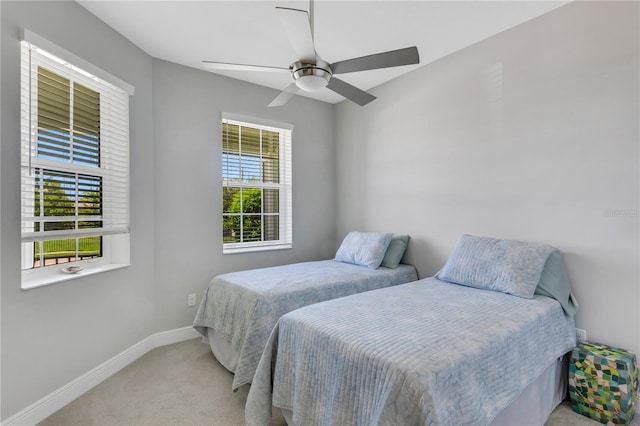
(284, 96)
(392, 58)
(224, 66)
(296, 24)
(350, 92)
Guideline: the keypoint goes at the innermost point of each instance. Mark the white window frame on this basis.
(285, 186)
(35, 52)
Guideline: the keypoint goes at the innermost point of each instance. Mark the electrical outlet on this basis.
(581, 335)
(191, 300)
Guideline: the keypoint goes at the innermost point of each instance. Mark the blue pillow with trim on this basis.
(395, 251)
(554, 283)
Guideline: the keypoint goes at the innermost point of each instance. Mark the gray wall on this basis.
(531, 135)
(188, 208)
(52, 335)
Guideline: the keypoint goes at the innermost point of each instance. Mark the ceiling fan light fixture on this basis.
(311, 77)
(311, 83)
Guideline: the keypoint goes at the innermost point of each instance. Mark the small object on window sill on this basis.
(72, 269)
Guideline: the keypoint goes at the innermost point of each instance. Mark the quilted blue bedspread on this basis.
(426, 352)
(244, 306)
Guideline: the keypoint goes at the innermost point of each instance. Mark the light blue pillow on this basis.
(511, 267)
(395, 251)
(554, 283)
(364, 248)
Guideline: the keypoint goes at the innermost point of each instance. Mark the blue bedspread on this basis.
(243, 307)
(427, 352)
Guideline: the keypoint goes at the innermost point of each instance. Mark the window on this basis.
(74, 167)
(256, 186)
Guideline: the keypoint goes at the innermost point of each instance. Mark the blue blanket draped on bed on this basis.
(243, 307)
(427, 352)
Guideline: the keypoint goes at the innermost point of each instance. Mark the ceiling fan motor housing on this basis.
(311, 77)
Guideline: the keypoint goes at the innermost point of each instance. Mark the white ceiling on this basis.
(250, 32)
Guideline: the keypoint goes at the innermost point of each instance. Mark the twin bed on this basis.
(239, 309)
(480, 343)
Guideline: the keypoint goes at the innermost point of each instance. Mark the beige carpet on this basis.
(183, 384)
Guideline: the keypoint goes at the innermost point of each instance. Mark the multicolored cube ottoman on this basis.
(603, 383)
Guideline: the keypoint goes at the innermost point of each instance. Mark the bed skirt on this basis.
(222, 350)
(533, 406)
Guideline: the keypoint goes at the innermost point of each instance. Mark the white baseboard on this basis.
(57, 399)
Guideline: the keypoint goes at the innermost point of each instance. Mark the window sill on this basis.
(30, 281)
(234, 250)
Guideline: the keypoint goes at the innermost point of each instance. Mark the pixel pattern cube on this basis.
(603, 383)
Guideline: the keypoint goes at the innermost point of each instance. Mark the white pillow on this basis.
(364, 248)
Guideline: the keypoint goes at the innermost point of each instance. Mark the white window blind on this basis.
(74, 154)
(257, 185)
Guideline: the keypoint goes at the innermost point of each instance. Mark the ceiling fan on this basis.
(310, 73)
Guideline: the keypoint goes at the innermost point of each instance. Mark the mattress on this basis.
(239, 310)
(427, 352)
